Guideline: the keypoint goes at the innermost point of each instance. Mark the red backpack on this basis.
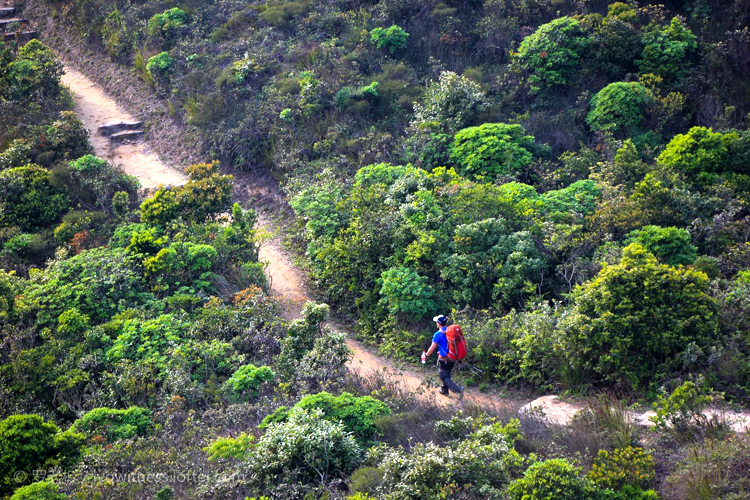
(456, 343)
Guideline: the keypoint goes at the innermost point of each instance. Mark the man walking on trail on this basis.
(445, 365)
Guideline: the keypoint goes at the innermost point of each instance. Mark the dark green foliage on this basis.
(491, 150)
(670, 245)
(29, 200)
(552, 54)
(667, 49)
(393, 38)
(634, 323)
(113, 424)
(620, 107)
(28, 443)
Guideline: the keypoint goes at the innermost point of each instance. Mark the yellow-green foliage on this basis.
(622, 467)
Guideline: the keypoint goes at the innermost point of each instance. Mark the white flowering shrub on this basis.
(450, 103)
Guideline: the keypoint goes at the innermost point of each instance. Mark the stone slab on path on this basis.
(94, 108)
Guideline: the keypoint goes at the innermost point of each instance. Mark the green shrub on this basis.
(113, 424)
(306, 449)
(168, 25)
(620, 107)
(238, 448)
(28, 443)
(403, 291)
(700, 155)
(552, 53)
(358, 414)
(72, 323)
(42, 490)
(247, 380)
(118, 41)
(98, 282)
(477, 467)
(29, 200)
(670, 245)
(667, 49)
(160, 67)
(491, 150)
(393, 38)
(554, 479)
(622, 467)
(632, 324)
(682, 410)
(450, 103)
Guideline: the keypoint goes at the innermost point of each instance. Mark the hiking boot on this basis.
(444, 392)
(461, 393)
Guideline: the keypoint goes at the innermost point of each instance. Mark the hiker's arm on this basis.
(432, 349)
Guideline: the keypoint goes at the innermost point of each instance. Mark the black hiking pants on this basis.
(444, 372)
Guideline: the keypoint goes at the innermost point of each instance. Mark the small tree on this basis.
(631, 325)
(619, 107)
(552, 54)
(403, 291)
(491, 150)
(393, 38)
(667, 49)
(160, 67)
(670, 245)
(450, 103)
(700, 154)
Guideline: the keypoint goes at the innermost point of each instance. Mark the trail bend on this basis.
(94, 107)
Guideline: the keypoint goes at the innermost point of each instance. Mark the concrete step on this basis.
(111, 128)
(12, 20)
(6, 12)
(126, 135)
(23, 36)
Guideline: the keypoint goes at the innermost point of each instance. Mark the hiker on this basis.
(445, 364)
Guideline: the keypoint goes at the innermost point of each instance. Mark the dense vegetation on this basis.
(569, 179)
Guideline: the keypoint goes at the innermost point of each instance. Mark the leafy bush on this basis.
(554, 479)
(620, 107)
(358, 414)
(405, 292)
(393, 38)
(28, 443)
(160, 67)
(682, 410)
(491, 150)
(42, 490)
(98, 282)
(278, 14)
(29, 200)
(667, 49)
(699, 154)
(622, 467)
(633, 324)
(670, 245)
(552, 53)
(247, 381)
(479, 465)
(168, 25)
(306, 449)
(113, 424)
(230, 448)
(450, 104)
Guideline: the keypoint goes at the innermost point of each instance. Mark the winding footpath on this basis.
(95, 108)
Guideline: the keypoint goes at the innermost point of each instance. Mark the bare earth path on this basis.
(94, 108)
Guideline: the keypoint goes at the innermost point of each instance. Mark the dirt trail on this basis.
(95, 108)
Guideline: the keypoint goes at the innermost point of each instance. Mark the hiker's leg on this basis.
(445, 376)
